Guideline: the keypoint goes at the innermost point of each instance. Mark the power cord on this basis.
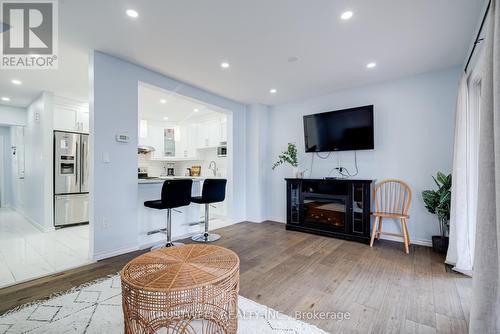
(324, 158)
(345, 172)
(319, 156)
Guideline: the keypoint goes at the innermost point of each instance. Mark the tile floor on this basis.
(27, 253)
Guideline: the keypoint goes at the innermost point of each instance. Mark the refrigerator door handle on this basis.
(77, 166)
(82, 165)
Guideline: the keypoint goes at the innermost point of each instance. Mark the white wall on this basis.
(5, 169)
(16, 176)
(114, 188)
(414, 122)
(37, 192)
(258, 141)
(12, 115)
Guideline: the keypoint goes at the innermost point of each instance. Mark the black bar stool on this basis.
(214, 191)
(174, 194)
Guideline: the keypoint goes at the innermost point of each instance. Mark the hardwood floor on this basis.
(383, 289)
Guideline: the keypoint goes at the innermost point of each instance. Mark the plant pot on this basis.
(297, 173)
(440, 244)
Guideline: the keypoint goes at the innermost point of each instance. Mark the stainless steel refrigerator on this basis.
(71, 178)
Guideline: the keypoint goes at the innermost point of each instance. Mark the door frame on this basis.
(2, 171)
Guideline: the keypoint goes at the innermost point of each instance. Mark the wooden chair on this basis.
(392, 200)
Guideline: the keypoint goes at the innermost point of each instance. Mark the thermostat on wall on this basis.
(122, 138)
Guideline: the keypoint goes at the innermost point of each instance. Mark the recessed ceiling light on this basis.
(132, 13)
(163, 101)
(6, 99)
(371, 65)
(346, 15)
(273, 91)
(224, 65)
(16, 82)
(165, 118)
(196, 109)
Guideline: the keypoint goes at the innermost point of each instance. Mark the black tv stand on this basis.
(334, 207)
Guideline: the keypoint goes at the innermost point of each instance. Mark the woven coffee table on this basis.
(185, 289)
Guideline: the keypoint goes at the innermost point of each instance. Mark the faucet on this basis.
(214, 168)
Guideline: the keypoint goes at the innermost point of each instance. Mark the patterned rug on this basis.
(97, 308)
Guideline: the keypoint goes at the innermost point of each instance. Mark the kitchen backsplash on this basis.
(156, 168)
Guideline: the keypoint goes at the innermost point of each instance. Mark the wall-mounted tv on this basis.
(341, 130)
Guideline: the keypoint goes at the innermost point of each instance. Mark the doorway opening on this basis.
(181, 137)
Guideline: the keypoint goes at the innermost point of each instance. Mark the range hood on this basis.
(145, 149)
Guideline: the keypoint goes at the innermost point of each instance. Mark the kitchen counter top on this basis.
(163, 178)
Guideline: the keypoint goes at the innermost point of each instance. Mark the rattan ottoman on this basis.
(183, 289)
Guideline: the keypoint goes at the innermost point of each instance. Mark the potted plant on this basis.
(289, 157)
(438, 202)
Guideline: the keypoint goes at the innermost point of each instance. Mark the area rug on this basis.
(97, 308)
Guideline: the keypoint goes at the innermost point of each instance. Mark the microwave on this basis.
(222, 150)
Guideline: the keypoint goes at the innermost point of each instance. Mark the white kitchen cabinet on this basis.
(209, 134)
(191, 140)
(223, 129)
(185, 141)
(186, 146)
(82, 120)
(71, 115)
(155, 139)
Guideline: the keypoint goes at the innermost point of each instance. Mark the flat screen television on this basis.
(341, 130)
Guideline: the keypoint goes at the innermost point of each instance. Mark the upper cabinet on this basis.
(186, 138)
(223, 129)
(211, 133)
(71, 115)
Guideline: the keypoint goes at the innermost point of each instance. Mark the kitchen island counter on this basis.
(184, 219)
(164, 178)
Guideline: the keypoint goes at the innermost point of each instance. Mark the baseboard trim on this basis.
(116, 252)
(39, 227)
(420, 242)
(277, 220)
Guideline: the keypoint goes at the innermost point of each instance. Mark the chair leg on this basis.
(405, 237)
(206, 237)
(407, 232)
(375, 226)
(169, 242)
(379, 228)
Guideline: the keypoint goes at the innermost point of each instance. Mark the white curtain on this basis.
(464, 177)
(485, 308)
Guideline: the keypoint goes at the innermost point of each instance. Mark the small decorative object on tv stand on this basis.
(332, 207)
(289, 157)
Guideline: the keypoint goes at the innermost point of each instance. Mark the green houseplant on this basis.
(288, 157)
(438, 202)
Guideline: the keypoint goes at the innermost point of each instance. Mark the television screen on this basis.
(341, 130)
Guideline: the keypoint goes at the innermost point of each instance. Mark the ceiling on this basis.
(188, 40)
(155, 104)
(69, 80)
